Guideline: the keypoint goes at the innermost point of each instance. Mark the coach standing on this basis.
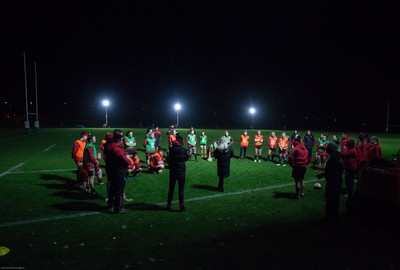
(117, 169)
(223, 155)
(177, 156)
(298, 159)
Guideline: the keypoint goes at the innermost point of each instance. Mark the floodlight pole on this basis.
(37, 106)
(177, 118)
(27, 126)
(387, 118)
(106, 117)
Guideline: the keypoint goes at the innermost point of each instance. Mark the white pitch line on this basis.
(31, 221)
(43, 171)
(10, 170)
(48, 148)
(84, 214)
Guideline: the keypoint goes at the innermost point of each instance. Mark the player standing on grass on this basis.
(309, 142)
(77, 154)
(157, 136)
(91, 162)
(283, 149)
(191, 140)
(149, 147)
(178, 155)
(272, 144)
(130, 143)
(258, 142)
(228, 138)
(223, 154)
(298, 159)
(244, 144)
(117, 167)
(203, 144)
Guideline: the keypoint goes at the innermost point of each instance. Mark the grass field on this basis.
(254, 224)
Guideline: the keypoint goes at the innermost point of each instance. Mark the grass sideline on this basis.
(255, 224)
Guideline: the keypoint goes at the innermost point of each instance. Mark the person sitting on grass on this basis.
(136, 166)
(150, 147)
(157, 162)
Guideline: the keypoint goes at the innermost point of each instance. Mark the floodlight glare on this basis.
(106, 103)
(177, 108)
(252, 110)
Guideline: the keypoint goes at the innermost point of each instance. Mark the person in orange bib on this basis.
(244, 143)
(258, 141)
(283, 149)
(77, 155)
(272, 145)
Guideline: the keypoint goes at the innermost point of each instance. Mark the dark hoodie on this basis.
(176, 158)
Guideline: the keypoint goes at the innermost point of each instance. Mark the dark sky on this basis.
(292, 61)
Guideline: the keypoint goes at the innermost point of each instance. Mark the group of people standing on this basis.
(332, 158)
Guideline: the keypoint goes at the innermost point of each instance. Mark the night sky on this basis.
(327, 66)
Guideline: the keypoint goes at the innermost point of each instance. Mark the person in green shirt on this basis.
(129, 143)
(228, 138)
(203, 144)
(322, 155)
(191, 140)
(149, 147)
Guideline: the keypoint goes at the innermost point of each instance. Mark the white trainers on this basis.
(255, 160)
(278, 164)
(259, 160)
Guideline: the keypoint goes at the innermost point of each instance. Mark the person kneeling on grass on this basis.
(298, 159)
(157, 162)
(136, 166)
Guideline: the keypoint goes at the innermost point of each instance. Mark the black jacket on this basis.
(223, 161)
(176, 159)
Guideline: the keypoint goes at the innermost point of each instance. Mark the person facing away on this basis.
(223, 155)
(177, 156)
(333, 174)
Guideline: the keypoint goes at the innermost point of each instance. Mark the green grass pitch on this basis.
(254, 224)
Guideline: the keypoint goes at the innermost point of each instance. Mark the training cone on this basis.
(4, 251)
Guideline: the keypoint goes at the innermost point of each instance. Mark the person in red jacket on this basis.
(349, 156)
(298, 159)
(117, 167)
(375, 151)
(77, 155)
(362, 150)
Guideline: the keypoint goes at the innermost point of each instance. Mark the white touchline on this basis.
(43, 171)
(84, 214)
(48, 148)
(10, 170)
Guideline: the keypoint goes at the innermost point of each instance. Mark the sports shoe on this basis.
(259, 160)
(106, 199)
(126, 199)
(278, 164)
(255, 160)
(183, 209)
(101, 183)
(284, 165)
(93, 192)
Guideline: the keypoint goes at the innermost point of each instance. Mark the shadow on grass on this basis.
(79, 206)
(55, 186)
(144, 207)
(55, 178)
(284, 195)
(77, 195)
(205, 187)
